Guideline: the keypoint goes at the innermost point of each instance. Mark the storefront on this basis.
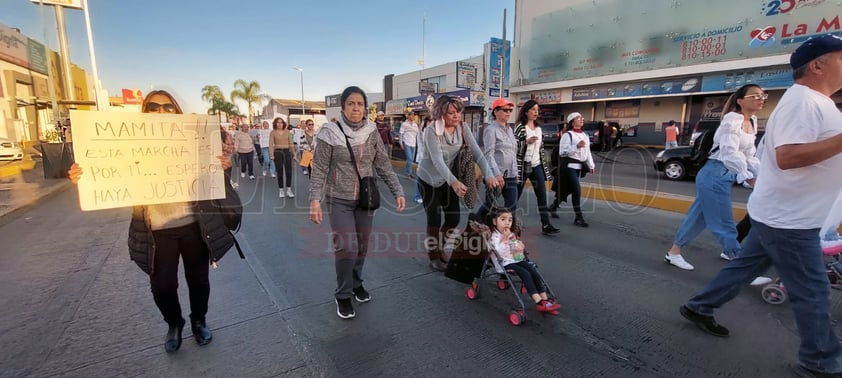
(472, 100)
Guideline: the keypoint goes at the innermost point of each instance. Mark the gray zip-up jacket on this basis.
(499, 146)
(333, 174)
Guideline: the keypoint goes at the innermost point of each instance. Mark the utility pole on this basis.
(64, 51)
(503, 59)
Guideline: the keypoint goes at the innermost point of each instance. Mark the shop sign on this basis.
(495, 92)
(395, 106)
(477, 98)
(497, 61)
(541, 97)
(427, 87)
(636, 89)
(37, 54)
(769, 78)
(466, 75)
(132, 96)
(13, 46)
(332, 101)
(424, 103)
(64, 3)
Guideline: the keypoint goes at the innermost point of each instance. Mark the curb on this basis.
(16, 212)
(16, 167)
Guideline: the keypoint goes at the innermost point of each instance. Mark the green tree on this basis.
(250, 93)
(213, 95)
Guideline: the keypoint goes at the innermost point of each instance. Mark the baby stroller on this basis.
(503, 278)
(775, 293)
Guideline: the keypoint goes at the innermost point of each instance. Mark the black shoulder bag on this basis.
(369, 195)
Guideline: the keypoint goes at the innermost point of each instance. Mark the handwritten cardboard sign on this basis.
(130, 159)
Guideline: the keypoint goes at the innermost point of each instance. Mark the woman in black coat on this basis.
(160, 234)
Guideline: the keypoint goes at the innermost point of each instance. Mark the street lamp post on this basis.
(301, 75)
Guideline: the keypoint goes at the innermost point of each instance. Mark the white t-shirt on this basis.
(533, 151)
(409, 133)
(797, 198)
(264, 137)
(568, 146)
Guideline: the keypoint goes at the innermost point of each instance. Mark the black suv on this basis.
(550, 133)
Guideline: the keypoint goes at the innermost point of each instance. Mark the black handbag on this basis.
(369, 195)
(230, 207)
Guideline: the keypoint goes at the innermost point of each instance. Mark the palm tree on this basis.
(212, 94)
(250, 93)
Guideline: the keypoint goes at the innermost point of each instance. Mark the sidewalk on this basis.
(22, 189)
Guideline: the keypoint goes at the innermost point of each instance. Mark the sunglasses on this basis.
(757, 96)
(154, 106)
(507, 110)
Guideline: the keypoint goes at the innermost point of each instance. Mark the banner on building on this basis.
(64, 3)
(466, 75)
(638, 89)
(395, 107)
(541, 97)
(37, 54)
(14, 46)
(332, 101)
(132, 159)
(766, 78)
(498, 59)
(641, 36)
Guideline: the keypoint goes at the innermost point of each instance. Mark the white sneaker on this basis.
(251, 177)
(264, 173)
(724, 256)
(273, 175)
(289, 193)
(760, 281)
(419, 200)
(678, 261)
(242, 174)
(281, 193)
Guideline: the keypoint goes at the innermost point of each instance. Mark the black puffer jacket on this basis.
(214, 232)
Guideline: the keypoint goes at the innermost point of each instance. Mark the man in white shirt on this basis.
(409, 134)
(798, 179)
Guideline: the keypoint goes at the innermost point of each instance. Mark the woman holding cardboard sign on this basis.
(159, 234)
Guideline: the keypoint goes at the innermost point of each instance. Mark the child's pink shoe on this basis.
(547, 306)
(831, 247)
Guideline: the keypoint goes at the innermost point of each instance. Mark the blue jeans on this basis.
(268, 164)
(670, 145)
(797, 257)
(712, 209)
(575, 189)
(536, 176)
(409, 151)
(417, 189)
(509, 198)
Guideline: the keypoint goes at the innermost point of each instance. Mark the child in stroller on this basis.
(510, 252)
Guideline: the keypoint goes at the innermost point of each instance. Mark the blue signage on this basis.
(766, 78)
(495, 92)
(498, 61)
(636, 89)
(423, 103)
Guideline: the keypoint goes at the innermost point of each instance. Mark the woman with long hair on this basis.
(440, 188)
(732, 159)
(160, 234)
(282, 151)
(336, 179)
(532, 161)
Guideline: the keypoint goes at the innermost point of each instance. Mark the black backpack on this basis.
(703, 146)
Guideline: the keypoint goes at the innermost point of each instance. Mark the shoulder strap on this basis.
(350, 151)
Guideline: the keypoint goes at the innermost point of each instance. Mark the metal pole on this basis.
(97, 84)
(51, 76)
(503, 59)
(65, 53)
(301, 74)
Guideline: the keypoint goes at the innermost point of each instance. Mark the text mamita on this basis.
(139, 130)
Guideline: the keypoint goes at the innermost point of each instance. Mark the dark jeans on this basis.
(536, 176)
(247, 161)
(529, 275)
(350, 229)
(185, 241)
(742, 228)
(797, 257)
(283, 168)
(438, 201)
(510, 196)
(575, 189)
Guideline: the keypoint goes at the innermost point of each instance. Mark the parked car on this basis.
(677, 163)
(550, 134)
(10, 150)
(701, 126)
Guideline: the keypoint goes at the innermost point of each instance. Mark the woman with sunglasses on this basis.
(732, 159)
(532, 162)
(160, 234)
(498, 147)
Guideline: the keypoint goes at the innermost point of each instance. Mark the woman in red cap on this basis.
(500, 150)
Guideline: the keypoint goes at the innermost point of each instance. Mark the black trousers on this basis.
(439, 200)
(247, 161)
(283, 168)
(185, 241)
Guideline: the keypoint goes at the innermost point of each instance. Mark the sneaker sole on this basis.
(666, 260)
(687, 316)
(356, 298)
(353, 314)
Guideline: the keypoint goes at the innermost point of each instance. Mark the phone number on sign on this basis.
(703, 47)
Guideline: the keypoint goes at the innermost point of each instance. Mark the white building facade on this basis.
(643, 64)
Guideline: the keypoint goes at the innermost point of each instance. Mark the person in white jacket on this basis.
(574, 156)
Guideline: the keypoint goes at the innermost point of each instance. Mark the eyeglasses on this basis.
(757, 96)
(154, 106)
(507, 110)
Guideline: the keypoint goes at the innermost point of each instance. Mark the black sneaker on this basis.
(361, 295)
(548, 229)
(344, 308)
(579, 221)
(802, 371)
(706, 323)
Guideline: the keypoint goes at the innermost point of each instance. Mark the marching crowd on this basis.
(793, 173)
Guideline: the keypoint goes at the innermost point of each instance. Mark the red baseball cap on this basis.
(501, 102)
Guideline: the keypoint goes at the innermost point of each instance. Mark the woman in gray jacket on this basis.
(440, 189)
(335, 178)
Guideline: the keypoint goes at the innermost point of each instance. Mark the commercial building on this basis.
(644, 63)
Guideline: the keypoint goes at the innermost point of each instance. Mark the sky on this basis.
(183, 45)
